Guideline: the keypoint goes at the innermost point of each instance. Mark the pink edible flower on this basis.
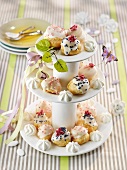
(40, 113)
(82, 77)
(87, 112)
(91, 65)
(59, 132)
(71, 38)
(73, 28)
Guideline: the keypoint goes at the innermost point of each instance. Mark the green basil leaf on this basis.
(47, 57)
(61, 66)
(43, 45)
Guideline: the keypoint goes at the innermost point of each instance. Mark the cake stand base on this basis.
(105, 129)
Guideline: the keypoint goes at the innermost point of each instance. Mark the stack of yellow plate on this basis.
(20, 47)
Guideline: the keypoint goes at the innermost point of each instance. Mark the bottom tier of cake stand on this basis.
(105, 129)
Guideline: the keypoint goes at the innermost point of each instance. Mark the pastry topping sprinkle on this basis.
(60, 131)
(74, 27)
(82, 77)
(91, 65)
(72, 38)
(40, 113)
(87, 114)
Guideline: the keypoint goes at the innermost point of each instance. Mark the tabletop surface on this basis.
(112, 155)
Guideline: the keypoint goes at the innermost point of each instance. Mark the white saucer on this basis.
(105, 129)
(12, 52)
(21, 50)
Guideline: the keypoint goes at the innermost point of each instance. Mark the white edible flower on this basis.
(82, 18)
(103, 19)
(111, 25)
(117, 107)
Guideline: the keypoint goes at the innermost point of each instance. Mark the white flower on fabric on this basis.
(117, 107)
(111, 26)
(103, 19)
(81, 18)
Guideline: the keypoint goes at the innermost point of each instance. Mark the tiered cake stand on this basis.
(64, 113)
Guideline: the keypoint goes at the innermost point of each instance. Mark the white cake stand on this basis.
(63, 113)
(105, 130)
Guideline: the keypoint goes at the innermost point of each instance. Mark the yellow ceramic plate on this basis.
(16, 26)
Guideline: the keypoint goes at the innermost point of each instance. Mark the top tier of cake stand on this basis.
(73, 65)
(75, 58)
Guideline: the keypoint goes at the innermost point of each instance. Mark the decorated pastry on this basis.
(51, 85)
(71, 45)
(88, 121)
(41, 75)
(78, 32)
(88, 105)
(61, 137)
(45, 132)
(30, 130)
(55, 34)
(95, 136)
(78, 85)
(43, 145)
(65, 96)
(80, 134)
(45, 106)
(40, 118)
(72, 147)
(88, 70)
(96, 83)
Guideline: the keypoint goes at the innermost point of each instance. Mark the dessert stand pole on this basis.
(65, 77)
(64, 114)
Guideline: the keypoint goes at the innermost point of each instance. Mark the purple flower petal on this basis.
(100, 42)
(111, 90)
(115, 82)
(106, 74)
